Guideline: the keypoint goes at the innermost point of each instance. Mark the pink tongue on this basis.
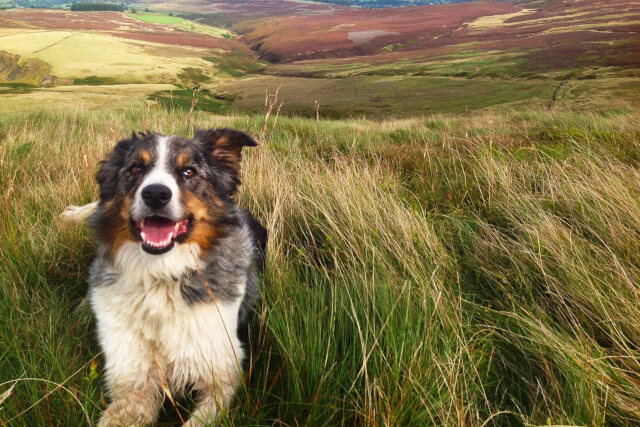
(157, 230)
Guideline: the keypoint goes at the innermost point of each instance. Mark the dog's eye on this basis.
(136, 170)
(189, 172)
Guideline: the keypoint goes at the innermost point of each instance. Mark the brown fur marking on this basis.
(203, 232)
(145, 156)
(119, 234)
(182, 160)
(224, 151)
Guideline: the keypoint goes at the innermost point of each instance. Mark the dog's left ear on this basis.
(225, 146)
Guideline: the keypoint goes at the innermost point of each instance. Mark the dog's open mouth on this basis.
(158, 234)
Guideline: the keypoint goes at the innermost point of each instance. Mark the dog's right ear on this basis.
(225, 148)
(226, 145)
(107, 175)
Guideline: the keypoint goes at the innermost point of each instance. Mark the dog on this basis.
(177, 273)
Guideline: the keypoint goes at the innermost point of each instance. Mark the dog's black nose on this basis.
(156, 195)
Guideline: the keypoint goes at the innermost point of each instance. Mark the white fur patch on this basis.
(160, 174)
(147, 329)
(78, 214)
(138, 266)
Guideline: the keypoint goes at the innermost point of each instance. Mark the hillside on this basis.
(552, 35)
(228, 12)
(450, 58)
(98, 58)
(389, 3)
(345, 62)
(361, 32)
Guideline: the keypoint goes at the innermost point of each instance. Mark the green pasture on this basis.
(184, 24)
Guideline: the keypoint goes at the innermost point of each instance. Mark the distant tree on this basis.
(134, 10)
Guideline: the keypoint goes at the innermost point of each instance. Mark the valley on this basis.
(377, 63)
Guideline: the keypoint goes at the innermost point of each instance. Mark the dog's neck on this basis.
(139, 266)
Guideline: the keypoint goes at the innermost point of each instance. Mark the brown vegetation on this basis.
(113, 23)
(233, 11)
(554, 36)
(331, 35)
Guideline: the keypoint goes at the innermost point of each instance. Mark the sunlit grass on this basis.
(176, 21)
(80, 54)
(441, 270)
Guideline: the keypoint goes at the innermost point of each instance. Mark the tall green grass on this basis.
(471, 270)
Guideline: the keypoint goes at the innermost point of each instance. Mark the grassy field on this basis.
(467, 64)
(405, 96)
(23, 99)
(156, 18)
(184, 24)
(77, 54)
(476, 269)
(383, 96)
(60, 48)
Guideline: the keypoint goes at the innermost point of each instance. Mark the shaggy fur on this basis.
(172, 312)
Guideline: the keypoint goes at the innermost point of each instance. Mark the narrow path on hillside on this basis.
(556, 94)
(53, 44)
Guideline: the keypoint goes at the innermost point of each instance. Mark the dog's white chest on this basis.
(147, 325)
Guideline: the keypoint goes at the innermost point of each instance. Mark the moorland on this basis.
(451, 193)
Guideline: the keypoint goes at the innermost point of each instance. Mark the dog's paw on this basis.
(200, 420)
(107, 421)
(78, 214)
(206, 414)
(130, 412)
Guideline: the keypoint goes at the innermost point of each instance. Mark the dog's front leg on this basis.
(133, 407)
(211, 400)
(134, 383)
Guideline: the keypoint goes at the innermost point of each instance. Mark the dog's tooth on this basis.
(143, 236)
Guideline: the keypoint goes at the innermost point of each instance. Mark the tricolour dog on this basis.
(176, 274)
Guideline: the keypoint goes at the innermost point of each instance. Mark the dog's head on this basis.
(163, 191)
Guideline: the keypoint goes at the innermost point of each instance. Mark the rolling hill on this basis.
(585, 50)
(398, 62)
(553, 35)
